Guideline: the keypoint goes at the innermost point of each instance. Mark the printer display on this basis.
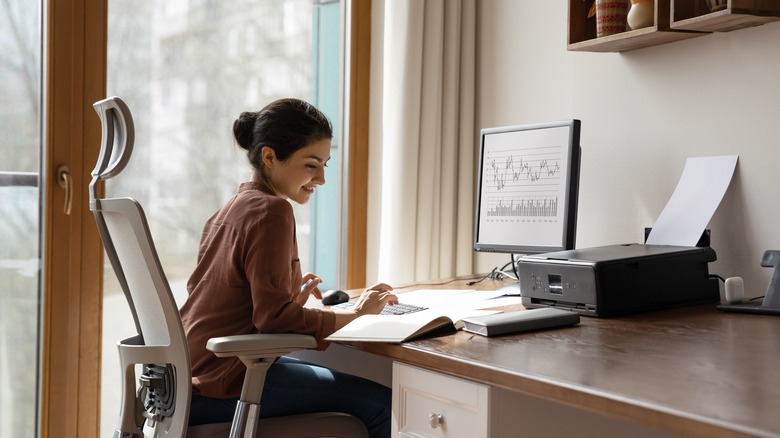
(618, 279)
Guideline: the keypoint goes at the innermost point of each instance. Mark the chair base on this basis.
(338, 425)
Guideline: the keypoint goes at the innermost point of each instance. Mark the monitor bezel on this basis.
(569, 228)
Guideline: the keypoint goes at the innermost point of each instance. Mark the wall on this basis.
(643, 113)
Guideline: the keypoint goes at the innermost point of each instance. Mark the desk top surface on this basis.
(690, 370)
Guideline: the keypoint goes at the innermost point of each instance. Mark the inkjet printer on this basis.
(618, 279)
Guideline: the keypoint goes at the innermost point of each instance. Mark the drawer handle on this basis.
(436, 420)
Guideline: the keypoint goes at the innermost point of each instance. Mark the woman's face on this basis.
(296, 177)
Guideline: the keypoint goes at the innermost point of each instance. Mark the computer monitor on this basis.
(527, 188)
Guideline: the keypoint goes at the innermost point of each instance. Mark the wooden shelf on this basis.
(632, 39)
(674, 20)
(582, 30)
(738, 14)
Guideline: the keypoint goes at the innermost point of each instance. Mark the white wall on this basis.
(643, 113)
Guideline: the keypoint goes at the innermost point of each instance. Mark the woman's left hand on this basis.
(309, 287)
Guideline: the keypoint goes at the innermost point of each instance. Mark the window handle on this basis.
(64, 181)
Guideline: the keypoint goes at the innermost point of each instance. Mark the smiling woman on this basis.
(248, 279)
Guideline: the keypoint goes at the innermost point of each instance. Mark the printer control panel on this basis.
(555, 284)
(561, 285)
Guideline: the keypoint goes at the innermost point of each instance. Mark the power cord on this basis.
(738, 299)
(495, 274)
(499, 273)
(407, 286)
(488, 275)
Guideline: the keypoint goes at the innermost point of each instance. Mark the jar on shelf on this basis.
(610, 17)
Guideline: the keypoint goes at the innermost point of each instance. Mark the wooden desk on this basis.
(692, 371)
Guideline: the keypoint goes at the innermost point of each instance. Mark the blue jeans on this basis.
(296, 387)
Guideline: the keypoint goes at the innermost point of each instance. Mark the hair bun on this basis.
(243, 129)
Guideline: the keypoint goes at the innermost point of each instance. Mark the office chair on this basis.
(158, 355)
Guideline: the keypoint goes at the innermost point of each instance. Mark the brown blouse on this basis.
(244, 282)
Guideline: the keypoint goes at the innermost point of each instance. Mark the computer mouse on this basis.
(334, 296)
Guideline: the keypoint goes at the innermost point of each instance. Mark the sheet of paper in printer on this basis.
(701, 188)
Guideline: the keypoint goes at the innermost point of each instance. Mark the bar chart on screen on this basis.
(523, 182)
(538, 206)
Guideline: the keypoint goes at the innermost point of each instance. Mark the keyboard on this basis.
(389, 309)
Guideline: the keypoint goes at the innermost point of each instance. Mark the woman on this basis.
(248, 279)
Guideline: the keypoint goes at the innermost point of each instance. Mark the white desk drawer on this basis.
(428, 404)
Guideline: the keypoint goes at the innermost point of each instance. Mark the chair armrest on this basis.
(260, 344)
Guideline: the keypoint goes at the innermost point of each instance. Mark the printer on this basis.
(618, 279)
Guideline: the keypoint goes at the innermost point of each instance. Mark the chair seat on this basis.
(337, 424)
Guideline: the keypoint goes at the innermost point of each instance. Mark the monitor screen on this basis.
(527, 188)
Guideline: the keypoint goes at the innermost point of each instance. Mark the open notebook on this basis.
(442, 310)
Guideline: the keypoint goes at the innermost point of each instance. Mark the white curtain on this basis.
(427, 147)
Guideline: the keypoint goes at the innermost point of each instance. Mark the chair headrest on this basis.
(116, 143)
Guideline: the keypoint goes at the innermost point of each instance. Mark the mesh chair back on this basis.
(160, 337)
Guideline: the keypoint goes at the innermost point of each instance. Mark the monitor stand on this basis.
(771, 303)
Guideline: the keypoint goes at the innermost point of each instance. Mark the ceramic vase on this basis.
(641, 14)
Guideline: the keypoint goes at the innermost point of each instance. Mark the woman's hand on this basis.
(309, 287)
(373, 299)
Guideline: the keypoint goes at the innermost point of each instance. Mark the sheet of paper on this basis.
(701, 188)
(448, 298)
(501, 301)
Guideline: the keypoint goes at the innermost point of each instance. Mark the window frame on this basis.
(357, 84)
(72, 257)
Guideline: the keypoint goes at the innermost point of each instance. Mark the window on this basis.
(187, 70)
(20, 56)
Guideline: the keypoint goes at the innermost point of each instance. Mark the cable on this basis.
(511, 262)
(496, 274)
(724, 280)
(718, 277)
(407, 286)
(471, 283)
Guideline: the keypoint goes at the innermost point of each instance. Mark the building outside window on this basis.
(20, 227)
